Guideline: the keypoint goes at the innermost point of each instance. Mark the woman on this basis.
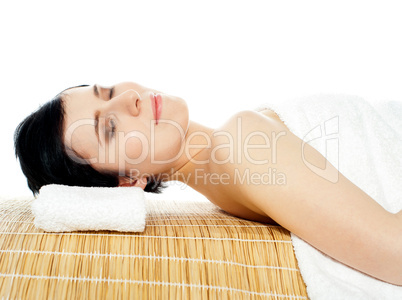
(130, 135)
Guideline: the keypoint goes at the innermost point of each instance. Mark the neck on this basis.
(195, 157)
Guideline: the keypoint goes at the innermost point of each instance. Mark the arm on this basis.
(338, 218)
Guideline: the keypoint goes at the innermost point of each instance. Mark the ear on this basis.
(142, 182)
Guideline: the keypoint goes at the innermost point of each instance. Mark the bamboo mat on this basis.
(189, 250)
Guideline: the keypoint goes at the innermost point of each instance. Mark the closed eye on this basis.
(111, 128)
(111, 93)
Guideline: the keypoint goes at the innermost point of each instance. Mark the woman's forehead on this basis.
(76, 91)
(77, 99)
(79, 120)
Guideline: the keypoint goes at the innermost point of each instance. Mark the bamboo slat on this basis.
(189, 250)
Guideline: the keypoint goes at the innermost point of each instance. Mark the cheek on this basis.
(134, 147)
(177, 116)
(167, 145)
(130, 152)
(83, 143)
(170, 136)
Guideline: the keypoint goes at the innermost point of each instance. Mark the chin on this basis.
(177, 111)
(183, 115)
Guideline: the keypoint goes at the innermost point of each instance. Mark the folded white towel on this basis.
(71, 208)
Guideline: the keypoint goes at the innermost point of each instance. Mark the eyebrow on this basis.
(96, 91)
(97, 113)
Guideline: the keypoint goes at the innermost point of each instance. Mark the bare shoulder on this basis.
(325, 209)
(246, 114)
(328, 211)
(242, 149)
(250, 120)
(242, 130)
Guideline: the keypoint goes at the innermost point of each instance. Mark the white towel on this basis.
(364, 142)
(61, 208)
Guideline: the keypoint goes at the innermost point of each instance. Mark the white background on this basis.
(220, 56)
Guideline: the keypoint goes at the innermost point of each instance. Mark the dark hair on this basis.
(40, 149)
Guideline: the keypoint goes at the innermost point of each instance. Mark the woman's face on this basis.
(114, 128)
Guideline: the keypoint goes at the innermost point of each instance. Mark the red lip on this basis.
(156, 103)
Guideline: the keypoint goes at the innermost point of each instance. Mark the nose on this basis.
(128, 101)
